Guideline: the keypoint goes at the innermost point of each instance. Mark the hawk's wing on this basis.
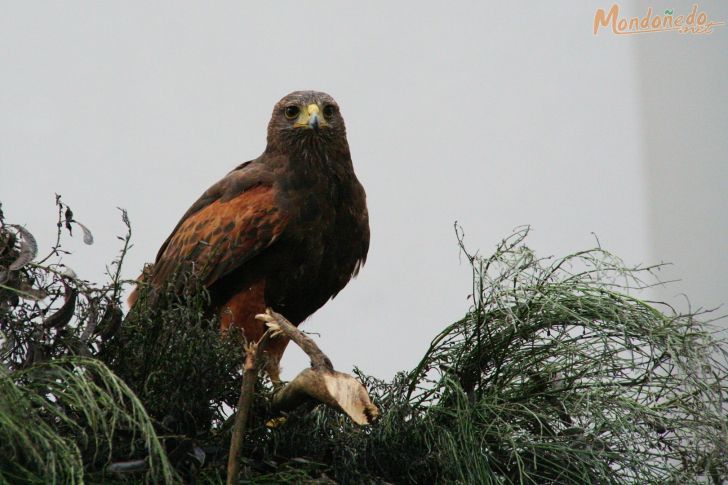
(231, 223)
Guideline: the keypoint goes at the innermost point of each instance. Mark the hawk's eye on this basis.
(329, 110)
(291, 112)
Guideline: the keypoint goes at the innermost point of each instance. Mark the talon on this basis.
(250, 347)
(275, 422)
(265, 317)
(271, 321)
(275, 327)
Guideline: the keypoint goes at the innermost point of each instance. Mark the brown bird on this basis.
(287, 230)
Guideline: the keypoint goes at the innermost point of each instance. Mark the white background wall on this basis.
(494, 114)
(684, 97)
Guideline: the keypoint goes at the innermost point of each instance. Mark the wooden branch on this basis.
(320, 382)
(253, 353)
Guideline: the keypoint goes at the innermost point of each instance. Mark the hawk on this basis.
(287, 230)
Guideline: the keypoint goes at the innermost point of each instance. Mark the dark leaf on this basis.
(28, 248)
(65, 313)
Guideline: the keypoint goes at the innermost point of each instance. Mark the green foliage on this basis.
(64, 416)
(58, 420)
(557, 374)
(171, 354)
(562, 377)
(554, 376)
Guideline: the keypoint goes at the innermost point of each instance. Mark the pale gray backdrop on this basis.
(494, 114)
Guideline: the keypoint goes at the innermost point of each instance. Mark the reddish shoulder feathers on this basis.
(229, 225)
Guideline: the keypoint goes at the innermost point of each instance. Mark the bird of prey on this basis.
(285, 231)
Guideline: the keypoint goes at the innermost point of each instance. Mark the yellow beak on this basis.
(311, 118)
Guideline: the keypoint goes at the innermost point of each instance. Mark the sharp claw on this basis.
(270, 321)
(250, 347)
(275, 327)
(265, 317)
(275, 422)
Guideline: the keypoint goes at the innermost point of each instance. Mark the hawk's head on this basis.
(306, 120)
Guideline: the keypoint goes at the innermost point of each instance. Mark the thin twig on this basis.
(253, 352)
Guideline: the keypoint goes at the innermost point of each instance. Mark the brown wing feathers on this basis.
(221, 231)
(222, 236)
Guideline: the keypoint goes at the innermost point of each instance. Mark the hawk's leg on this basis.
(239, 311)
(274, 352)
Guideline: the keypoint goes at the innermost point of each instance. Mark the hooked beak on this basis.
(311, 118)
(313, 122)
